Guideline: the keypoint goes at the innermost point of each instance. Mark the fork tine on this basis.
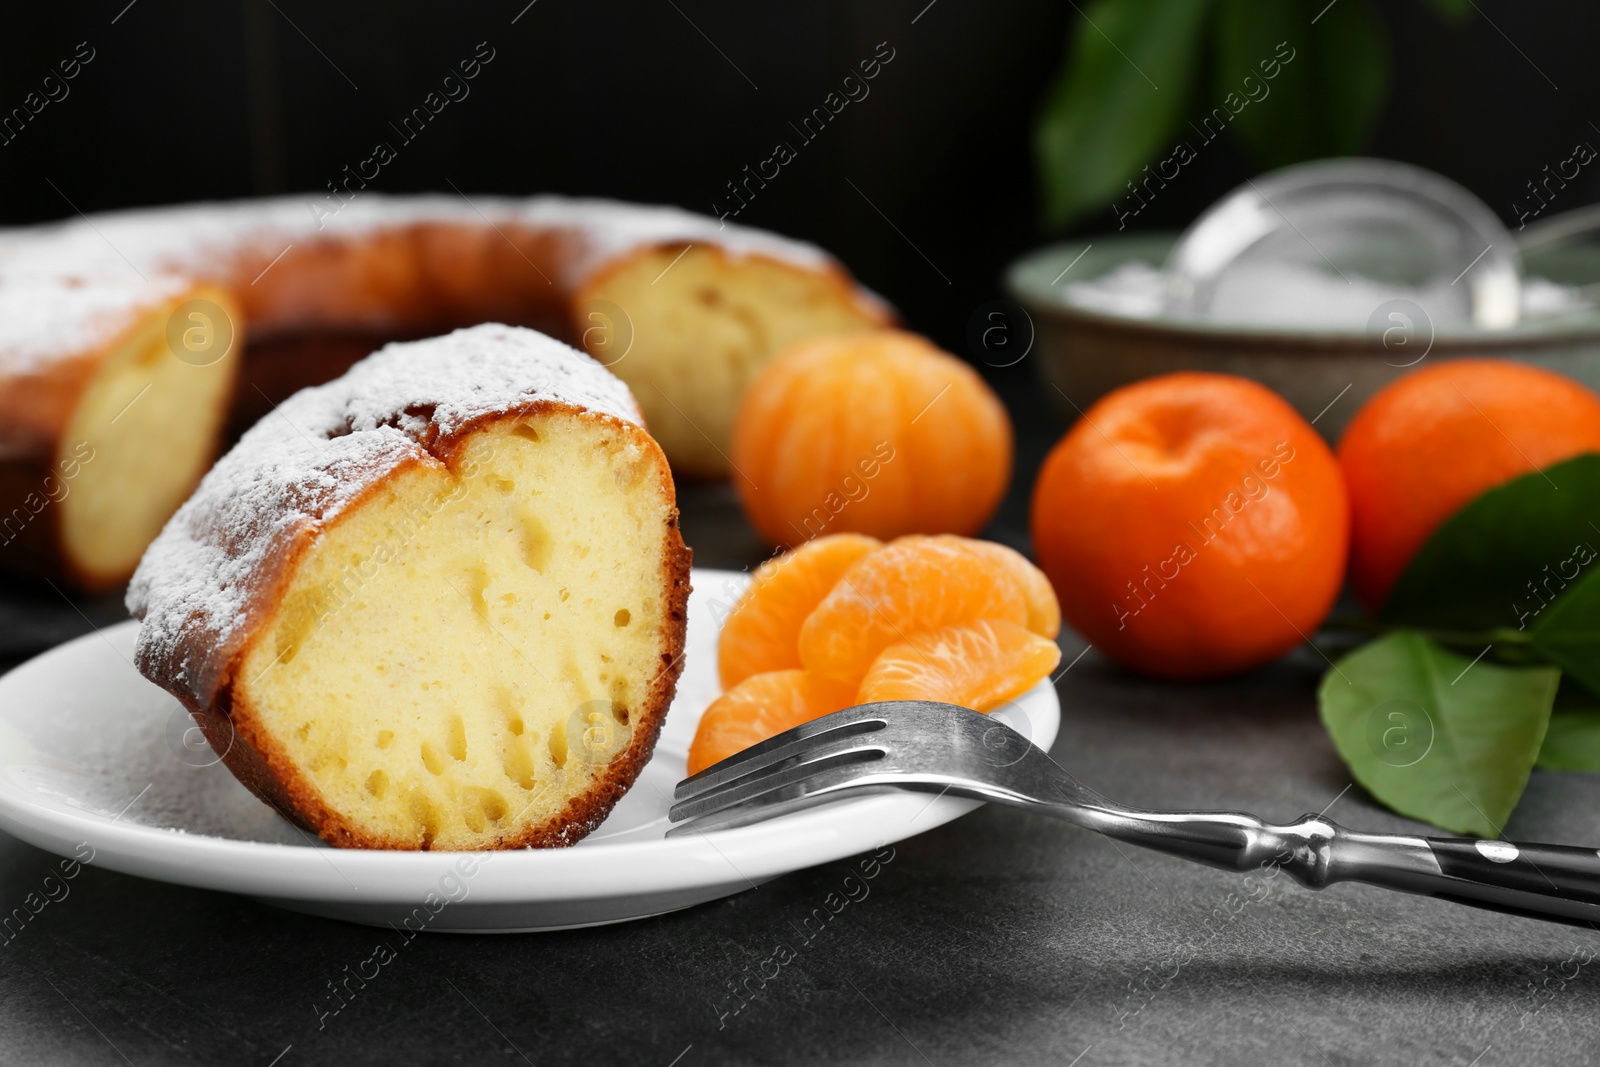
(896, 745)
(773, 750)
(834, 749)
(801, 790)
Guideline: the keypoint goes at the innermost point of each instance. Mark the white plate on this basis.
(94, 762)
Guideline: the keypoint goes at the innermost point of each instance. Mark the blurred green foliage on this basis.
(1140, 73)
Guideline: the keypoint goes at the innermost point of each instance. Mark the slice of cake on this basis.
(436, 603)
(112, 397)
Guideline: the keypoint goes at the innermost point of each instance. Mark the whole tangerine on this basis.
(877, 432)
(1431, 442)
(1193, 525)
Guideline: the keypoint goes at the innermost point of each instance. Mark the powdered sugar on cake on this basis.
(200, 237)
(298, 468)
(44, 321)
(133, 254)
(475, 372)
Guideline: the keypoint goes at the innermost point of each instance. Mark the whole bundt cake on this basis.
(103, 432)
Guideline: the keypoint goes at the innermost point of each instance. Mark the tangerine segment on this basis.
(979, 665)
(1044, 611)
(762, 633)
(763, 706)
(910, 586)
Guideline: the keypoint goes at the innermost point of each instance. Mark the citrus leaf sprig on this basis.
(1429, 744)
(1503, 604)
(1498, 562)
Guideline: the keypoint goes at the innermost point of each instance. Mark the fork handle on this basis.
(1553, 882)
(1558, 882)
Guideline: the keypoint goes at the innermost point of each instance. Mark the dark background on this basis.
(631, 99)
(926, 188)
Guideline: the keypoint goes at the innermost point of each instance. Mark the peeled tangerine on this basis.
(923, 618)
(979, 665)
(763, 706)
(917, 584)
(762, 632)
(876, 431)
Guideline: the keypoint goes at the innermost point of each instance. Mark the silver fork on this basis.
(940, 748)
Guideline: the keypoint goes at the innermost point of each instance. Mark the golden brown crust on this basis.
(36, 409)
(30, 524)
(418, 279)
(233, 728)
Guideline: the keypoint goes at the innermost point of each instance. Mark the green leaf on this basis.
(1568, 631)
(1572, 743)
(1123, 93)
(1433, 735)
(1329, 77)
(1501, 561)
